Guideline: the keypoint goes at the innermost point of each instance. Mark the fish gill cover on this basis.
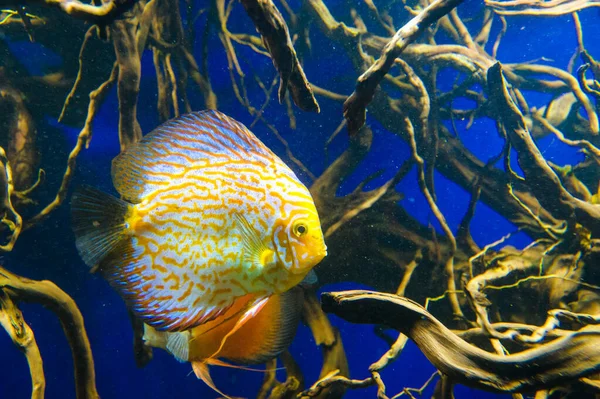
(450, 148)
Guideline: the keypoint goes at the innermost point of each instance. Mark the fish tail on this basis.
(99, 223)
(201, 370)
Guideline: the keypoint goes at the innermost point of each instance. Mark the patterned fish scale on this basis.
(215, 217)
(196, 249)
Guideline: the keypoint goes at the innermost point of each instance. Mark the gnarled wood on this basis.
(573, 356)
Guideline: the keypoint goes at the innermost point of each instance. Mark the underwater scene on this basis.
(299, 199)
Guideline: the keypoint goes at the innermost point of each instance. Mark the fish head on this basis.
(299, 242)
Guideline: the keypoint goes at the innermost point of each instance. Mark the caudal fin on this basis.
(98, 221)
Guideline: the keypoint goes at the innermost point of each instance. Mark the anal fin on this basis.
(202, 372)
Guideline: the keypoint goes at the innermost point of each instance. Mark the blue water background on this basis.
(48, 251)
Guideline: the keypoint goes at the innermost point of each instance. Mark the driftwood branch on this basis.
(540, 7)
(543, 180)
(334, 357)
(510, 290)
(356, 105)
(128, 83)
(568, 358)
(22, 336)
(48, 294)
(270, 24)
(99, 14)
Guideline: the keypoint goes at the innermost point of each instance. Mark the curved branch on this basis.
(538, 7)
(334, 357)
(96, 98)
(545, 184)
(355, 106)
(565, 359)
(55, 299)
(22, 336)
(104, 13)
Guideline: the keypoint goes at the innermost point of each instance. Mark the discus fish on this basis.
(209, 214)
(227, 338)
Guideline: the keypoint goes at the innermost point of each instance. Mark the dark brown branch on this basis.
(276, 37)
(544, 183)
(356, 105)
(128, 84)
(565, 359)
(18, 137)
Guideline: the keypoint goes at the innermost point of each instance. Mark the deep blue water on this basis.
(48, 251)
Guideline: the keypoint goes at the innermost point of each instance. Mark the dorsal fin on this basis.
(190, 141)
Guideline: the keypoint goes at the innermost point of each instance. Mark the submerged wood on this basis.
(22, 336)
(48, 294)
(276, 37)
(389, 246)
(329, 340)
(566, 359)
(103, 13)
(356, 105)
(540, 7)
(18, 136)
(544, 182)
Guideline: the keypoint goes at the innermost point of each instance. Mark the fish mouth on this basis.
(323, 251)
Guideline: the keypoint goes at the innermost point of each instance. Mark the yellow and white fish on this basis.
(209, 214)
(228, 338)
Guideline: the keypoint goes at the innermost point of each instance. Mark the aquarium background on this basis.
(48, 251)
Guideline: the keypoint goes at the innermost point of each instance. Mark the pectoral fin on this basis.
(255, 251)
(178, 344)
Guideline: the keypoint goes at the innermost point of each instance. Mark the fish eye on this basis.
(299, 229)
